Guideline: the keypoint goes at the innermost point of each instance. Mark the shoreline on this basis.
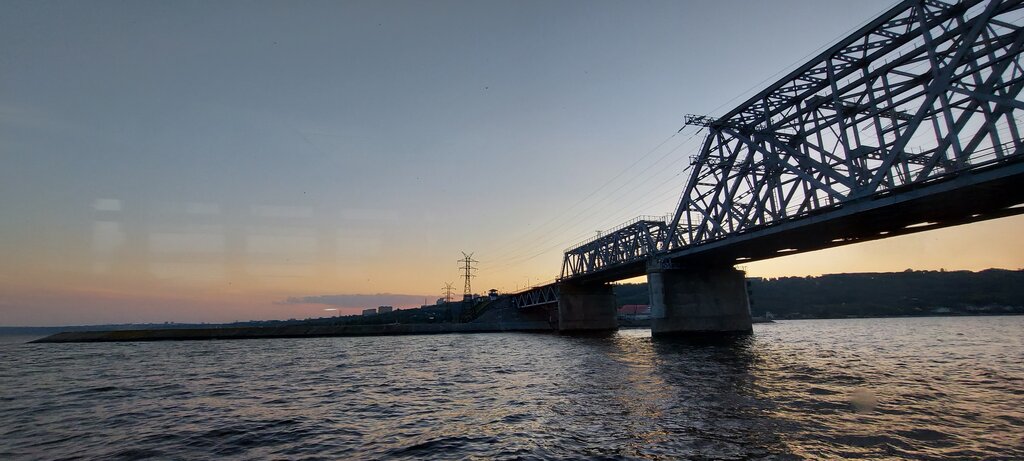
(393, 329)
(293, 331)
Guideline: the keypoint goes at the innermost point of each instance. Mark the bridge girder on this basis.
(536, 296)
(640, 238)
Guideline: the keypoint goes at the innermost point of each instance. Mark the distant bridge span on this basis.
(910, 123)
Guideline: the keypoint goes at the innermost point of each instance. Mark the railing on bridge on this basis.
(927, 91)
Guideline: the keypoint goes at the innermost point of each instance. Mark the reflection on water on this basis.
(937, 388)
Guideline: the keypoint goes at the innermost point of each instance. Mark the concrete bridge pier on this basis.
(698, 301)
(586, 307)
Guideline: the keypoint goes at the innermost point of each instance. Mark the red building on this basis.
(635, 309)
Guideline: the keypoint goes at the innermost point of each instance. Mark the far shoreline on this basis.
(208, 333)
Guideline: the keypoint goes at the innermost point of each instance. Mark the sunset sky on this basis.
(220, 161)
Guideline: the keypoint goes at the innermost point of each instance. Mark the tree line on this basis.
(911, 292)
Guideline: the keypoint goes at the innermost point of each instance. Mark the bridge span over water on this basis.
(911, 123)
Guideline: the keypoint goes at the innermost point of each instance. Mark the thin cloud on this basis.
(359, 300)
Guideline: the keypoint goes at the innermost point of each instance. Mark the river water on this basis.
(921, 388)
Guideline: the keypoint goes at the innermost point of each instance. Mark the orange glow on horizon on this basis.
(118, 284)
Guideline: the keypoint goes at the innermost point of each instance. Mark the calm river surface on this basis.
(922, 388)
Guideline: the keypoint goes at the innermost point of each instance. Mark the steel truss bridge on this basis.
(911, 123)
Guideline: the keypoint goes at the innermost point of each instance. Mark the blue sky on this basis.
(226, 154)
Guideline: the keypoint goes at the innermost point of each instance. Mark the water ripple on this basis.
(872, 389)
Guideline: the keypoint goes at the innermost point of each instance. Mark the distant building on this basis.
(368, 312)
(385, 309)
(638, 311)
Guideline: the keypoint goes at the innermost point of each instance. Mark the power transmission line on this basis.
(511, 242)
(513, 256)
(520, 259)
(516, 255)
(567, 218)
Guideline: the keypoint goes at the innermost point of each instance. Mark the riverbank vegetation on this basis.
(992, 291)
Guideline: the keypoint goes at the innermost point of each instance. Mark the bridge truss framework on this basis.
(925, 93)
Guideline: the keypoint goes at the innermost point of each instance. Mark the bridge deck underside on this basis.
(964, 199)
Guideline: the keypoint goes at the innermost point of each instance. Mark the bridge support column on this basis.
(586, 307)
(695, 301)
